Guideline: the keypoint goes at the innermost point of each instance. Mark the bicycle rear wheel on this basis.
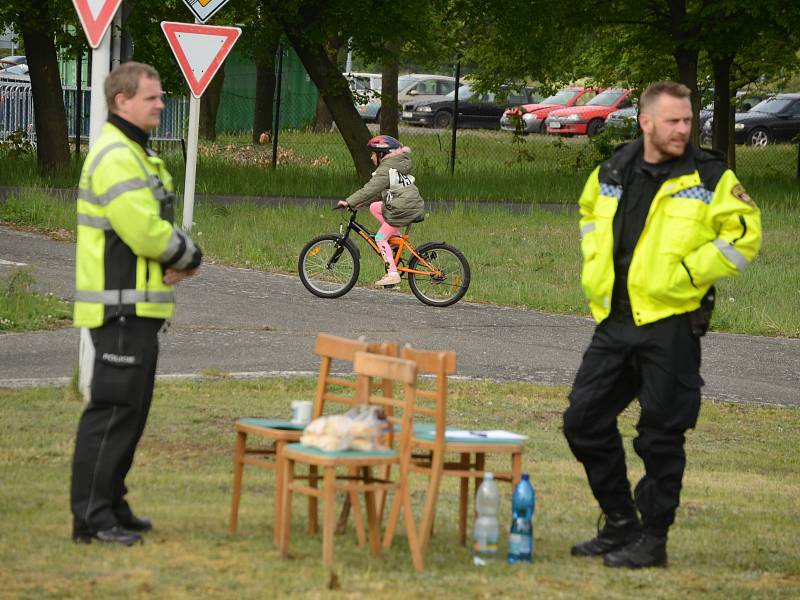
(451, 281)
(329, 266)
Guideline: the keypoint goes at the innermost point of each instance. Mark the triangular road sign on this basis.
(204, 9)
(96, 16)
(200, 50)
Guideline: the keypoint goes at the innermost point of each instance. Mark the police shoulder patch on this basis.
(739, 193)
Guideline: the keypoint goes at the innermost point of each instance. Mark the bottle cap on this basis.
(488, 476)
(525, 476)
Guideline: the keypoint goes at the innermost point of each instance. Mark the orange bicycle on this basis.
(438, 273)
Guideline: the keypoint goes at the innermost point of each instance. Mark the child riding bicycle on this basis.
(393, 198)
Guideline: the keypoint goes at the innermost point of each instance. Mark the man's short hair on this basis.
(659, 88)
(124, 80)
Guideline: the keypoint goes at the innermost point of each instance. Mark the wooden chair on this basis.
(430, 444)
(351, 471)
(277, 433)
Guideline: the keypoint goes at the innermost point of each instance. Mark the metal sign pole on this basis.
(455, 120)
(277, 126)
(101, 58)
(191, 160)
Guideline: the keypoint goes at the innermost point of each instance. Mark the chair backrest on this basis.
(342, 390)
(400, 411)
(433, 403)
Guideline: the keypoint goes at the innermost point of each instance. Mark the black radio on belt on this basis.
(700, 319)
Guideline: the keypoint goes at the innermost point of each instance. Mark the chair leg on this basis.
(380, 495)
(394, 515)
(329, 512)
(373, 525)
(358, 518)
(313, 523)
(431, 497)
(286, 510)
(516, 469)
(404, 495)
(463, 500)
(277, 521)
(238, 472)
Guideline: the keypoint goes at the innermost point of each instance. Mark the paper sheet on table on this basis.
(496, 434)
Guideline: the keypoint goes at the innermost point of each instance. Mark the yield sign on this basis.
(96, 16)
(200, 50)
(204, 9)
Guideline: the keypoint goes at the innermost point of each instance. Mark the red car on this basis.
(590, 118)
(533, 115)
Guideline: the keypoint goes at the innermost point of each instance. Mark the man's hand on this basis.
(173, 276)
(342, 204)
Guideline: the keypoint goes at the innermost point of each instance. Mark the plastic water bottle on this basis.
(487, 528)
(520, 538)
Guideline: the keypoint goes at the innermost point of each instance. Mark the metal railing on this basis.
(16, 113)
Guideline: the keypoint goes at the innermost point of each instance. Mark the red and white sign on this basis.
(200, 50)
(96, 16)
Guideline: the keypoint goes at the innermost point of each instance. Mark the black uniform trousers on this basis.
(126, 352)
(660, 364)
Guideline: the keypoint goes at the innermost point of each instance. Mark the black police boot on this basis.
(114, 535)
(645, 551)
(619, 530)
(134, 523)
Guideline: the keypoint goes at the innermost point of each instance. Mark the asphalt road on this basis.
(250, 323)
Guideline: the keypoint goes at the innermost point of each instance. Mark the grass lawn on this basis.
(490, 166)
(517, 259)
(22, 309)
(735, 537)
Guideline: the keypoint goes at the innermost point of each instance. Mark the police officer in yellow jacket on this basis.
(661, 221)
(129, 256)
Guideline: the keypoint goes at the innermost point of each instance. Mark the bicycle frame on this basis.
(401, 241)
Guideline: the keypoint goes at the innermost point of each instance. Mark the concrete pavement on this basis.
(253, 323)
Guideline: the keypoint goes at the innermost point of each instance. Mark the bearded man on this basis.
(661, 221)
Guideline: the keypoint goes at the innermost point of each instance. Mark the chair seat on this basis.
(295, 451)
(427, 432)
(271, 424)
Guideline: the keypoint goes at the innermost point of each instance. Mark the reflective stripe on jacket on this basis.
(699, 228)
(125, 233)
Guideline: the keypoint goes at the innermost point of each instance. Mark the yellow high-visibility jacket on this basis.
(125, 234)
(701, 226)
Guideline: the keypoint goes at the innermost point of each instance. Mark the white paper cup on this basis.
(301, 412)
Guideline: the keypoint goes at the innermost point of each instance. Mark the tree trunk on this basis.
(52, 148)
(333, 88)
(389, 75)
(265, 93)
(686, 61)
(722, 126)
(209, 106)
(323, 119)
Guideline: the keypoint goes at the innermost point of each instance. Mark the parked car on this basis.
(534, 115)
(416, 86)
(15, 60)
(775, 119)
(363, 85)
(623, 123)
(744, 102)
(474, 109)
(590, 118)
(16, 72)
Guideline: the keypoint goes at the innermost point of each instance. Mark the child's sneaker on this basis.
(391, 278)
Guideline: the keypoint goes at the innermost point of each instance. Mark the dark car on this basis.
(744, 102)
(623, 123)
(474, 109)
(775, 119)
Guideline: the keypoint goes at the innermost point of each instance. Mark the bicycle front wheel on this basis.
(449, 279)
(329, 266)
